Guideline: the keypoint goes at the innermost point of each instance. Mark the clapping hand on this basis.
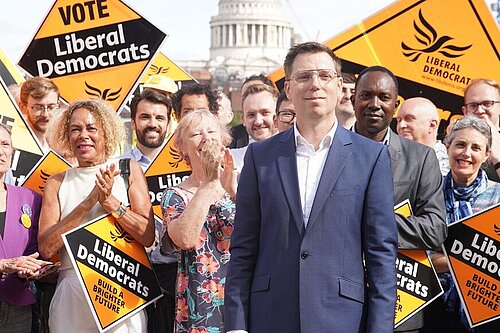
(212, 155)
(228, 174)
(104, 182)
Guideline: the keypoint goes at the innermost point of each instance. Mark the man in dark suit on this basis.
(415, 168)
(314, 203)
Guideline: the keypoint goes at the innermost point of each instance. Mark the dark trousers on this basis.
(161, 313)
(437, 319)
(15, 318)
(45, 292)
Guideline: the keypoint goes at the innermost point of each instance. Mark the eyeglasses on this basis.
(286, 116)
(324, 75)
(486, 105)
(39, 107)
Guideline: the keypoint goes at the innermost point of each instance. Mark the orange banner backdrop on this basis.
(434, 47)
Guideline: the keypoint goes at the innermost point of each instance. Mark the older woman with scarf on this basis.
(467, 191)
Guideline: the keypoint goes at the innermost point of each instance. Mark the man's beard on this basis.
(141, 138)
(40, 126)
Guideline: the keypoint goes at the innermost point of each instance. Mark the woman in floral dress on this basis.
(198, 217)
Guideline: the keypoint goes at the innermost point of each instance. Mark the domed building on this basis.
(246, 37)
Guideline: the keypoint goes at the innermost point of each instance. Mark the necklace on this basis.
(185, 189)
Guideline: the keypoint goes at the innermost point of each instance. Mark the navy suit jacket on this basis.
(284, 277)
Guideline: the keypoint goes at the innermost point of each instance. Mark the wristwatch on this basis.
(119, 212)
(496, 166)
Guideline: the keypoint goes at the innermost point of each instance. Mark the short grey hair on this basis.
(200, 115)
(469, 122)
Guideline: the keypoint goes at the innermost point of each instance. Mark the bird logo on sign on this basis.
(427, 36)
(105, 94)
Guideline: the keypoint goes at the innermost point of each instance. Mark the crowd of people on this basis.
(286, 222)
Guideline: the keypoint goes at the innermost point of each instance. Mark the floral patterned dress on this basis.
(201, 274)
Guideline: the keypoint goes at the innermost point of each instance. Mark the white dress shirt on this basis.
(310, 164)
(239, 155)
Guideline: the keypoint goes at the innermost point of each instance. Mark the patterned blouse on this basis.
(201, 274)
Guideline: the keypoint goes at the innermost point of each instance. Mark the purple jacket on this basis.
(19, 240)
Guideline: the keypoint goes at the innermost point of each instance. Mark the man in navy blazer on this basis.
(314, 245)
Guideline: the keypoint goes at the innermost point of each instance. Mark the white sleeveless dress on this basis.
(69, 310)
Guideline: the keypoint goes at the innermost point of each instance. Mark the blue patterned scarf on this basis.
(458, 202)
(458, 199)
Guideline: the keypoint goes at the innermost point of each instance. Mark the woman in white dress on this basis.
(91, 131)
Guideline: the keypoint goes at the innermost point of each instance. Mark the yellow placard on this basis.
(404, 208)
(417, 282)
(434, 42)
(163, 65)
(113, 269)
(8, 70)
(10, 115)
(67, 16)
(434, 47)
(27, 149)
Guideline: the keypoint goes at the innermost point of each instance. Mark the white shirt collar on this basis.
(326, 142)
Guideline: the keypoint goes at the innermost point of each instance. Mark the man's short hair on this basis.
(37, 87)
(378, 69)
(282, 97)
(257, 88)
(348, 78)
(309, 47)
(152, 97)
(195, 89)
(258, 77)
(488, 82)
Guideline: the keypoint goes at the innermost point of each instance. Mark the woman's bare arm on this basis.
(50, 226)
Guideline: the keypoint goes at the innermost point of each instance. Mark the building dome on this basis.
(249, 37)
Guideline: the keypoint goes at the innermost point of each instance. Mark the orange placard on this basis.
(167, 169)
(93, 49)
(49, 165)
(473, 252)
